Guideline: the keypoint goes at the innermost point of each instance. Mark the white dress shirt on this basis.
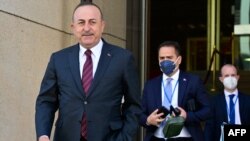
(236, 104)
(96, 53)
(174, 102)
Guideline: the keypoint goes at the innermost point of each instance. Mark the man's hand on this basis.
(44, 138)
(154, 118)
(183, 112)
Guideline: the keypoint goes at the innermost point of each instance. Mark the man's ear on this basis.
(103, 25)
(238, 77)
(221, 79)
(72, 27)
(180, 59)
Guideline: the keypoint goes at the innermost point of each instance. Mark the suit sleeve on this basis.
(146, 109)
(210, 127)
(202, 111)
(145, 113)
(131, 107)
(46, 102)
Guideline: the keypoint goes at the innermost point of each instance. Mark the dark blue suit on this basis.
(219, 112)
(107, 119)
(191, 90)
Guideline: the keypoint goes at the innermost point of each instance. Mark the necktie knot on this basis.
(88, 52)
(231, 96)
(169, 80)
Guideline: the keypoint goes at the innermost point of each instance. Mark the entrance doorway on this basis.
(185, 21)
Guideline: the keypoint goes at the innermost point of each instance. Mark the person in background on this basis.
(93, 85)
(229, 106)
(187, 94)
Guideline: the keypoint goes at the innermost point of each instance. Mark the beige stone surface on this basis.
(25, 48)
(114, 12)
(54, 13)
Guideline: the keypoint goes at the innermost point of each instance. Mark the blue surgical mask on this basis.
(168, 66)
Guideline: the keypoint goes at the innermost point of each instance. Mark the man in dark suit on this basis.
(188, 95)
(108, 109)
(220, 104)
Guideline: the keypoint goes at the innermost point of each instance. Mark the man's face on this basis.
(169, 53)
(87, 25)
(228, 71)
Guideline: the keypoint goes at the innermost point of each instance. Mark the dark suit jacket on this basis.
(191, 91)
(219, 115)
(107, 119)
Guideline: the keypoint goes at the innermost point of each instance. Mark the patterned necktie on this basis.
(232, 110)
(168, 93)
(87, 72)
(87, 77)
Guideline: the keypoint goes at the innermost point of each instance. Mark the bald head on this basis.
(228, 69)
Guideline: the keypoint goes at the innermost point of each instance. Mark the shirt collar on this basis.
(175, 77)
(234, 92)
(96, 50)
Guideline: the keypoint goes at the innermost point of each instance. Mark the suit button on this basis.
(85, 102)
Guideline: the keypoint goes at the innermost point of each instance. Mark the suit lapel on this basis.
(241, 102)
(74, 66)
(103, 63)
(183, 81)
(158, 93)
(223, 106)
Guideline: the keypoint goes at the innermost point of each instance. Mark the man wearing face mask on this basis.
(230, 106)
(180, 89)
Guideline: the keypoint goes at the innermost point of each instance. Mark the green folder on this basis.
(173, 126)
